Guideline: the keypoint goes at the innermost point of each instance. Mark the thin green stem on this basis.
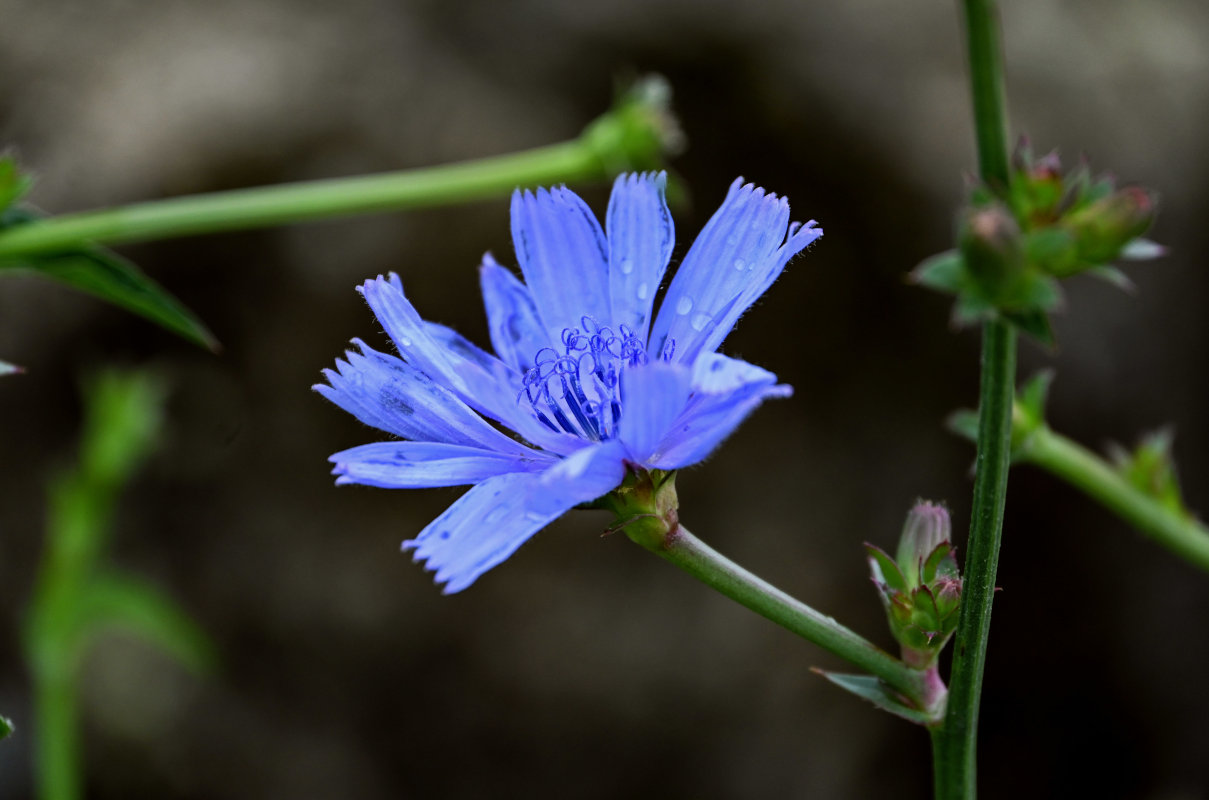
(634, 134)
(717, 571)
(987, 90)
(1182, 535)
(956, 741)
(56, 734)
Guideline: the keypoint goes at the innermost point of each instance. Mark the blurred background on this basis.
(583, 667)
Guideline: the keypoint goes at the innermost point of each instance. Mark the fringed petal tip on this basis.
(391, 279)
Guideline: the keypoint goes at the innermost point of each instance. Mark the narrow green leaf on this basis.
(13, 182)
(964, 423)
(873, 690)
(1034, 394)
(136, 606)
(110, 277)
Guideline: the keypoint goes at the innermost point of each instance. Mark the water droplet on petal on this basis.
(740, 264)
(404, 341)
(685, 305)
(644, 289)
(732, 240)
(495, 515)
(626, 265)
(700, 321)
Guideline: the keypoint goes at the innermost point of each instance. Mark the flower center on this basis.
(579, 391)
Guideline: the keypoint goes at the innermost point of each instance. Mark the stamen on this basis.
(586, 397)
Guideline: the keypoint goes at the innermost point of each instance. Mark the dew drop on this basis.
(732, 240)
(644, 289)
(626, 265)
(685, 305)
(740, 264)
(495, 515)
(404, 341)
(699, 321)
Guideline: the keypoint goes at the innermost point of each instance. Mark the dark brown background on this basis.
(583, 667)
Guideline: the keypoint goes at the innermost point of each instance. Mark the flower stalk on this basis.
(634, 135)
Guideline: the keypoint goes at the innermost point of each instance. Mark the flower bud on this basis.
(927, 527)
(991, 244)
(1103, 228)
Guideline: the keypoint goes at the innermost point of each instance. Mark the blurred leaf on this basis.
(1114, 276)
(1034, 323)
(873, 690)
(1034, 394)
(964, 423)
(110, 277)
(6, 727)
(122, 421)
(140, 608)
(13, 182)
(944, 272)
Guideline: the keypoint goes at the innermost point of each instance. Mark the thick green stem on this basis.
(635, 134)
(1183, 535)
(987, 90)
(715, 570)
(56, 747)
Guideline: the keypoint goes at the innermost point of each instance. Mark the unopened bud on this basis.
(1103, 228)
(927, 527)
(992, 247)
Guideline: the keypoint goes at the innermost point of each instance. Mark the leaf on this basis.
(140, 608)
(13, 182)
(108, 276)
(1034, 394)
(876, 692)
(6, 727)
(944, 272)
(964, 423)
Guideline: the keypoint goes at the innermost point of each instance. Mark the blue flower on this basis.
(585, 377)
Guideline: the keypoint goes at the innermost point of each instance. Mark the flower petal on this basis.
(564, 256)
(652, 397)
(714, 373)
(641, 236)
(737, 256)
(479, 379)
(516, 328)
(489, 522)
(391, 395)
(418, 465)
(708, 420)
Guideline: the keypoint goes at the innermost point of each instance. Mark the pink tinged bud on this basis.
(1103, 228)
(927, 527)
(992, 245)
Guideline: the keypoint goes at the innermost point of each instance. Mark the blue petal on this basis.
(383, 391)
(737, 256)
(516, 328)
(710, 418)
(418, 465)
(488, 523)
(564, 256)
(479, 379)
(641, 237)
(652, 397)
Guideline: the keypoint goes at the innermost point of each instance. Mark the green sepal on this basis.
(1150, 468)
(107, 275)
(876, 692)
(927, 572)
(884, 568)
(1033, 396)
(964, 423)
(1034, 323)
(135, 606)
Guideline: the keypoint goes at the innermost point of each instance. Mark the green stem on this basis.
(956, 741)
(717, 571)
(633, 135)
(1183, 535)
(56, 734)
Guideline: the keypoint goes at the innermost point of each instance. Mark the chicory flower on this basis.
(586, 381)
